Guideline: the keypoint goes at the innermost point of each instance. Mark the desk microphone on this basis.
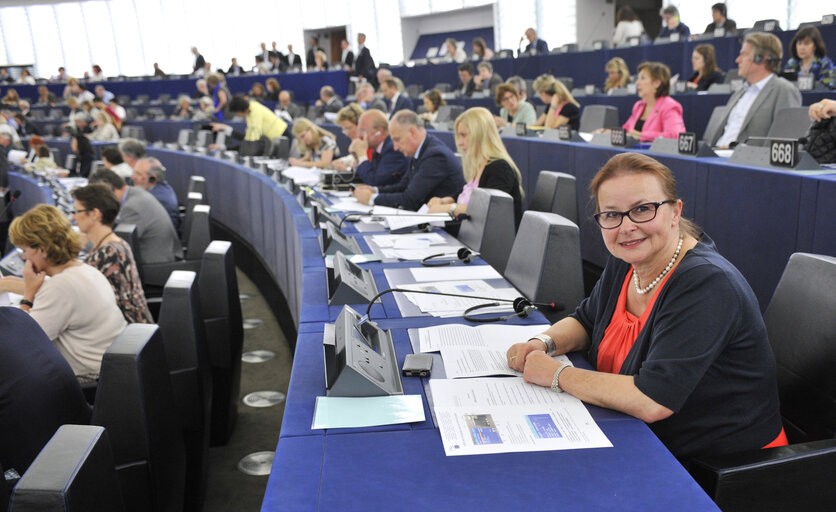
(522, 306)
(12, 199)
(354, 217)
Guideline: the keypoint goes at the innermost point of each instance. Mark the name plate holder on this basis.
(348, 283)
(777, 154)
(360, 359)
(562, 134)
(331, 240)
(686, 145)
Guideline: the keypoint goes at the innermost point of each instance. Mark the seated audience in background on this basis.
(118, 109)
(261, 121)
(758, 62)
(272, 90)
(25, 127)
(434, 172)
(719, 20)
(535, 44)
(313, 47)
(201, 89)
(563, 109)
(627, 25)
(113, 116)
(432, 100)
(85, 155)
(544, 86)
(286, 109)
(656, 114)
(103, 129)
(466, 85)
(38, 393)
(44, 159)
(394, 98)
(26, 77)
(824, 109)
(5, 77)
(513, 109)
(809, 57)
(69, 92)
(235, 69)
(220, 96)
(112, 159)
(256, 92)
(97, 74)
(367, 99)
(347, 119)
(205, 110)
(378, 163)
(705, 68)
(149, 174)
(320, 61)
(328, 101)
(672, 25)
(158, 241)
(317, 146)
(485, 164)
(45, 97)
(35, 143)
(486, 80)
(455, 53)
(480, 49)
(11, 97)
(132, 150)
(103, 93)
(75, 307)
(673, 331)
(618, 74)
(95, 211)
(25, 107)
(184, 110)
(521, 86)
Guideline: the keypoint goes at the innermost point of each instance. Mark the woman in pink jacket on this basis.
(656, 114)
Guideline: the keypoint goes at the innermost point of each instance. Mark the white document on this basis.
(433, 339)
(466, 362)
(302, 175)
(408, 240)
(445, 306)
(419, 253)
(350, 204)
(9, 298)
(397, 219)
(501, 415)
(455, 273)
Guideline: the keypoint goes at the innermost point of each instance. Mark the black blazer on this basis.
(349, 59)
(704, 83)
(364, 66)
(466, 91)
(402, 103)
(200, 62)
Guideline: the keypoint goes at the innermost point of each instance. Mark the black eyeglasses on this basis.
(644, 212)
(79, 211)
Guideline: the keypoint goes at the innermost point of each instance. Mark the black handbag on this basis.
(821, 141)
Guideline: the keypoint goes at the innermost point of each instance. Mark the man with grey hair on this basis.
(521, 85)
(433, 172)
(485, 79)
(328, 100)
(149, 173)
(367, 99)
(132, 150)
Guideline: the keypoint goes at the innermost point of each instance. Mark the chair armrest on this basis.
(794, 477)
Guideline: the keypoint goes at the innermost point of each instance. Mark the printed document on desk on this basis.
(433, 339)
(398, 219)
(454, 273)
(445, 306)
(302, 175)
(502, 415)
(468, 362)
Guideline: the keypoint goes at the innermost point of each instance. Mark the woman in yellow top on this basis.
(261, 121)
(317, 146)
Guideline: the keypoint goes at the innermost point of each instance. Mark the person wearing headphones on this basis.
(149, 174)
(751, 110)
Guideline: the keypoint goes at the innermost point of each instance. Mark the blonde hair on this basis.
(617, 64)
(350, 112)
(545, 84)
(44, 227)
(485, 145)
(302, 125)
(563, 93)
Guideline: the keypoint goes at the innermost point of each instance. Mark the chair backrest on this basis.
(281, 147)
(556, 192)
(129, 233)
(545, 261)
(4, 492)
(69, 162)
(198, 184)
(413, 90)
(731, 75)
(185, 137)
(790, 123)
(442, 87)
(184, 337)
(801, 325)
(200, 232)
(714, 123)
(598, 116)
(568, 81)
(192, 199)
(444, 113)
(75, 471)
(490, 226)
(203, 138)
(134, 403)
(221, 305)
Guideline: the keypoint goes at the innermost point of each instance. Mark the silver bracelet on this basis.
(547, 340)
(555, 383)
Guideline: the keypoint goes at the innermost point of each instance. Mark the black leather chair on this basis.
(135, 404)
(280, 147)
(489, 227)
(198, 236)
(128, 233)
(221, 308)
(192, 199)
(197, 184)
(184, 338)
(598, 116)
(801, 324)
(556, 192)
(74, 472)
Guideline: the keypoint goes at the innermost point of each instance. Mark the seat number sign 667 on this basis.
(783, 153)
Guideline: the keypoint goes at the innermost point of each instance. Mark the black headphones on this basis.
(152, 179)
(463, 254)
(759, 58)
(522, 308)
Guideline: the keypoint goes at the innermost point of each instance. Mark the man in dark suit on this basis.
(366, 98)
(199, 61)
(395, 101)
(264, 53)
(286, 109)
(718, 14)
(433, 172)
(328, 100)
(751, 111)
(364, 64)
(235, 69)
(535, 44)
(293, 60)
(310, 61)
(149, 173)
(386, 166)
(347, 56)
(466, 85)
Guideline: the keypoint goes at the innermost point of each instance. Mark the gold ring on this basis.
(512, 358)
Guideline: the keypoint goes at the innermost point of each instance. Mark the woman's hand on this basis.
(691, 85)
(440, 200)
(499, 121)
(635, 134)
(823, 109)
(438, 208)
(297, 162)
(519, 352)
(539, 368)
(32, 280)
(12, 284)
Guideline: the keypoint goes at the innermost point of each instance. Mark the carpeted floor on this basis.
(257, 430)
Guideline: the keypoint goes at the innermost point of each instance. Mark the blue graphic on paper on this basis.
(543, 426)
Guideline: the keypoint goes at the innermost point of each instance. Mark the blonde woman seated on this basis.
(563, 109)
(318, 146)
(545, 86)
(75, 307)
(103, 129)
(485, 163)
(184, 110)
(513, 109)
(618, 74)
(432, 100)
(454, 52)
(347, 118)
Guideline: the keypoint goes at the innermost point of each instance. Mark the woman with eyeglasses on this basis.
(672, 330)
(317, 146)
(513, 109)
(347, 119)
(75, 306)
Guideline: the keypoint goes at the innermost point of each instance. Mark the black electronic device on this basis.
(318, 213)
(417, 365)
(331, 240)
(618, 137)
(348, 283)
(360, 358)
(12, 264)
(520, 129)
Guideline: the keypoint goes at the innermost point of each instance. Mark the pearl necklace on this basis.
(642, 291)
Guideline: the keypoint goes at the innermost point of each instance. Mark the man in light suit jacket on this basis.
(158, 241)
(395, 101)
(433, 172)
(751, 111)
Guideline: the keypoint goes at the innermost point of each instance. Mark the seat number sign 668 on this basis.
(783, 153)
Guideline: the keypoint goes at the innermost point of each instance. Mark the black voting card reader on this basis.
(417, 365)
(360, 358)
(331, 240)
(348, 283)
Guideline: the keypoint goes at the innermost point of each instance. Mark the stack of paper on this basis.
(396, 219)
(413, 246)
(445, 306)
(350, 204)
(302, 175)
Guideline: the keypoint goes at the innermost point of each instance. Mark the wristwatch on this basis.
(453, 210)
(548, 341)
